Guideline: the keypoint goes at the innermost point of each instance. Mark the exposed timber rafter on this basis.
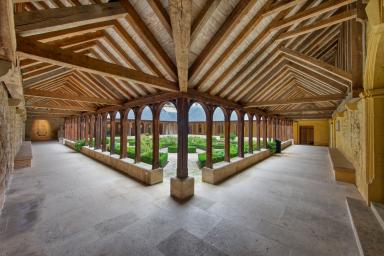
(60, 96)
(65, 58)
(48, 20)
(319, 98)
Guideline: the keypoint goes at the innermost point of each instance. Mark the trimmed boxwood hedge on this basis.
(173, 149)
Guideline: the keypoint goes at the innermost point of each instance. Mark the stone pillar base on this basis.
(182, 189)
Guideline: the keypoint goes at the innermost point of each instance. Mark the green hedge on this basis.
(79, 144)
(173, 149)
(147, 158)
(271, 145)
(217, 156)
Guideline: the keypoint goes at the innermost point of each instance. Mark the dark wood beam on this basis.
(48, 20)
(60, 96)
(61, 107)
(319, 98)
(65, 58)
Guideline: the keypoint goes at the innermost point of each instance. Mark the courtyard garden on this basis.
(168, 144)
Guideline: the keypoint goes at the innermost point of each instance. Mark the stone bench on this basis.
(343, 168)
(23, 158)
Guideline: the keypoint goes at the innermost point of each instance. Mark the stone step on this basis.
(368, 232)
(378, 210)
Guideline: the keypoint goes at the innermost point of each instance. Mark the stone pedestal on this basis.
(182, 189)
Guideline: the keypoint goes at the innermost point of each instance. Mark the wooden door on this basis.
(306, 135)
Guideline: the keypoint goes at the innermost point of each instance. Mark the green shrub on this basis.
(148, 157)
(271, 145)
(197, 142)
(131, 142)
(191, 149)
(232, 136)
(218, 146)
(172, 149)
(79, 144)
(131, 152)
(168, 141)
(217, 156)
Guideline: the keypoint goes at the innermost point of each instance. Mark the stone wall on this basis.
(349, 137)
(39, 129)
(11, 136)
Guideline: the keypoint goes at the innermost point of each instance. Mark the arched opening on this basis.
(145, 130)
(255, 133)
(131, 134)
(168, 139)
(197, 139)
(233, 134)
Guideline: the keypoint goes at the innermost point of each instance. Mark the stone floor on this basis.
(68, 204)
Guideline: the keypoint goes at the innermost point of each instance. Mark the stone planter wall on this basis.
(222, 171)
(139, 173)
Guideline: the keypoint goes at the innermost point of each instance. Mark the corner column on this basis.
(182, 186)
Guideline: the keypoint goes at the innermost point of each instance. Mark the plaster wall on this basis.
(43, 129)
(321, 131)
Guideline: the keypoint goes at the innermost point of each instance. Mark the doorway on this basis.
(306, 135)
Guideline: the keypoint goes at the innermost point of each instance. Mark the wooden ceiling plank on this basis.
(43, 21)
(149, 39)
(162, 15)
(202, 18)
(238, 13)
(61, 107)
(318, 98)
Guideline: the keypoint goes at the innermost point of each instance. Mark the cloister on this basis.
(191, 127)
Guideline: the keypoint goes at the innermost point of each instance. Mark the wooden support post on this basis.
(137, 112)
(227, 128)
(357, 54)
(123, 133)
(250, 134)
(209, 124)
(240, 135)
(182, 138)
(86, 130)
(156, 109)
(78, 123)
(265, 133)
(98, 132)
(92, 131)
(104, 132)
(113, 132)
(258, 128)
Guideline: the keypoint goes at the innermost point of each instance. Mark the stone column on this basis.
(182, 186)
(113, 132)
(137, 127)
(250, 134)
(92, 130)
(123, 133)
(156, 109)
(227, 128)
(86, 130)
(209, 132)
(240, 135)
(79, 128)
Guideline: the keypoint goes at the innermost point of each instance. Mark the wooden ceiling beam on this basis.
(312, 12)
(48, 20)
(149, 39)
(180, 12)
(319, 98)
(336, 19)
(60, 96)
(303, 110)
(61, 107)
(61, 57)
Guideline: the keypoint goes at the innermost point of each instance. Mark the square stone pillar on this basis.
(182, 186)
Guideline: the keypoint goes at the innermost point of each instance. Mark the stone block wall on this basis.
(40, 129)
(11, 137)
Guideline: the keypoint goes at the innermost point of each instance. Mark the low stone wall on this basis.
(222, 171)
(139, 173)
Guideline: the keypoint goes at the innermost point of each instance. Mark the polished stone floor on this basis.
(68, 204)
